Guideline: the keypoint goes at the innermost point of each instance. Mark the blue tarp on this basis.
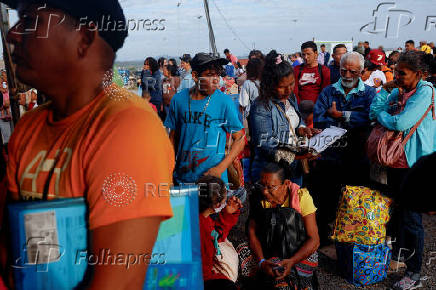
(125, 74)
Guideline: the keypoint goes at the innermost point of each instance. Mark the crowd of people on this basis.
(71, 145)
(283, 102)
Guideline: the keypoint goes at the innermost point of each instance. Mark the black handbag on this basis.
(283, 232)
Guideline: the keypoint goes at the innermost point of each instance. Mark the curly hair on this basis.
(211, 191)
(254, 69)
(272, 74)
(172, 70)
(416, 61)
(256, 54)
(161, 61)
(154, 66)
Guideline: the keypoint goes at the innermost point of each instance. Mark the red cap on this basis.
(377, 57)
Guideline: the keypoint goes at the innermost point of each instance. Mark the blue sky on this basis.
(267, 24)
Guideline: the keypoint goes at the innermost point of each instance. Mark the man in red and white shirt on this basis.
(311, 77)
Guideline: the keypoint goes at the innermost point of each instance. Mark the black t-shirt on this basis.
(367, 50)
(415, 194)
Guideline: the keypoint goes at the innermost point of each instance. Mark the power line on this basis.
(229, 27)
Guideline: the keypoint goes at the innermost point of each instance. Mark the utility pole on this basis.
(211, 34)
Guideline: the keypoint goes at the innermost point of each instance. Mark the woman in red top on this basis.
(213, 195)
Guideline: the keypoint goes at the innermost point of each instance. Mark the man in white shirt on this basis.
(323, 56)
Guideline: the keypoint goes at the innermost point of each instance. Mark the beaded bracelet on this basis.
(261, 261)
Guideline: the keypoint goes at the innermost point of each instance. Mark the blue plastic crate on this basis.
(178, 240)
(64, 272)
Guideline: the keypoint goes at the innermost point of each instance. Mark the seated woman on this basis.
(295, 271)
(213, 196)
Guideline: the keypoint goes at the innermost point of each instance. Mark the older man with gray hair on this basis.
(344, 104)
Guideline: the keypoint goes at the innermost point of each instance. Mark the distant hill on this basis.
(135, 64)
(138, 64)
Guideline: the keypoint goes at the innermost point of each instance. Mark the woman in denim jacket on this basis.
(275, 119)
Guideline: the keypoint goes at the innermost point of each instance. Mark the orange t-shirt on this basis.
(114, 151)
(388, 73)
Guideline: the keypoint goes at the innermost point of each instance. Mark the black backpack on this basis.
(281, 232)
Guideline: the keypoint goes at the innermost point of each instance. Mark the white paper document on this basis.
(327, 137)
(42, 237)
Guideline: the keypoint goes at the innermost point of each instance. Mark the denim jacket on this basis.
(355, 109)
(269, 127)
(153, 84)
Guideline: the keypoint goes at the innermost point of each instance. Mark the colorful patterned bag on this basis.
(248, 265)
(362, 216)
(363, 265)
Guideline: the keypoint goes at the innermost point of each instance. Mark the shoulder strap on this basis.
(431, 107)
(320, 73)
(257, 86)
(47, 182)
(299, 74)
(294, 197)
(287, 118)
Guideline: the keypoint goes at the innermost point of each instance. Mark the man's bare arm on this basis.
(134, 237)
(236, 147)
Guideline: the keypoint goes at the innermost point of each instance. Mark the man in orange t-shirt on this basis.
(92, 139)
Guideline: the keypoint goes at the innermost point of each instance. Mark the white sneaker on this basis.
(407, 283)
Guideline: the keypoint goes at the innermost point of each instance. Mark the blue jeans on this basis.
(410, 240)
(5, 130)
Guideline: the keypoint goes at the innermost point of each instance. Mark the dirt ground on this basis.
(330, 279)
